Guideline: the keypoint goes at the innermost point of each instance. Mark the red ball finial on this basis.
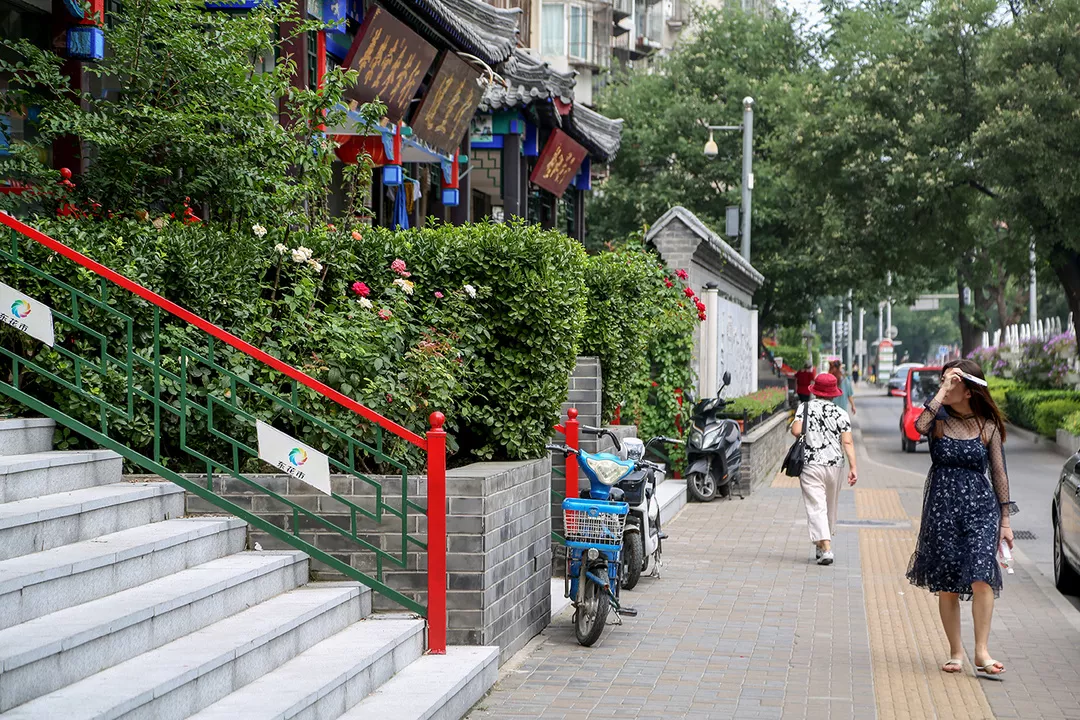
(572, 413)
(437, 419)
(65, 173)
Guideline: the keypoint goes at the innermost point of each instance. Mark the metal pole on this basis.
(747, 172)
(880, 321)
(850, 333)
(1033, 307)
(436, 539)
(833, 337)
(862, 339)
(888, 306)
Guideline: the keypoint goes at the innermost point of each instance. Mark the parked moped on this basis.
(714, 449)
(593, 528)
(642, 537)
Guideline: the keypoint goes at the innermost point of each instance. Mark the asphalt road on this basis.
(1033, 469)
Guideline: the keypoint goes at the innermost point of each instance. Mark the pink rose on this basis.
(398, 266)
(681, 274)
(438, 295)
(361, 289)
(385, 314)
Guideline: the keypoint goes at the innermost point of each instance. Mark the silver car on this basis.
(1066, 518)
(898, 382)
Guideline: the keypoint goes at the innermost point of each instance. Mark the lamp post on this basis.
(711, 150)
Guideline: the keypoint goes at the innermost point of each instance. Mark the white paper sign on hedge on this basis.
(293, 457)
(26, 314)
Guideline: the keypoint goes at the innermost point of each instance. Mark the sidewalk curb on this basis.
(1028, 436)
(1047, 586)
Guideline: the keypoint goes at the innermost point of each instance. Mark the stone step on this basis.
(435, 687)
(331, 677)
(19, 436)
(44, 582)
(49, 652)
(671, 494)
(30, 475)
(49, 521)
(180, 678)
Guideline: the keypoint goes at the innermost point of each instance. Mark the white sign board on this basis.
(293, 457)
(24, 313)
(926, 303)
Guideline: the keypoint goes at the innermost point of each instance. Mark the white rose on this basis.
(259, 230)
(470, 291)
(281, 249)
(405, 285)
(315, 265)
(298, 255)
(306, 252)
(365, 303)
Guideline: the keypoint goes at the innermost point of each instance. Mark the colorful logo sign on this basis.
(20, 309)
(297, 456)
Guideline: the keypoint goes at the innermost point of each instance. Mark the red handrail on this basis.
(221, 334)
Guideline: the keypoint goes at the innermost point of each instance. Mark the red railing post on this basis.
(571, 460)
(436, 541)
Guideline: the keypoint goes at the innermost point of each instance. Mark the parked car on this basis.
(1066, 518)
(922, 385)
(898, 381)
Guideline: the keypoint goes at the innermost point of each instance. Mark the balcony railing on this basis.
(524, 19)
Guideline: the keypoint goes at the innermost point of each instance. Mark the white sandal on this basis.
(957, 662)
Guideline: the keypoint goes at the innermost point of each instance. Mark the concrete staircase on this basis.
(113, 605)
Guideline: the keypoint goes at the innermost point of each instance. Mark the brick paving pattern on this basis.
(743, 624)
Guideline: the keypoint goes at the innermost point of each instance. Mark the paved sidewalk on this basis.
(743, 624)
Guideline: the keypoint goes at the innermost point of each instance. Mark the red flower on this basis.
(668, 283)
(361, 289)
(389, 398)
(682, 274)
(385, 314)
(356, 235)
(398, 266)
(688, 292)
(331, 227)
(700, 305)
(701, 316)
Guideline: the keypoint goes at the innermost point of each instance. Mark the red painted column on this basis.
(436, 542)
(571, 460)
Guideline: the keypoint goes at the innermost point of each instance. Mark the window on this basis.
(313, 58)
(579, 32)
(553, 29)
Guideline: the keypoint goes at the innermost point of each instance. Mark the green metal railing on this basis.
(134, 373)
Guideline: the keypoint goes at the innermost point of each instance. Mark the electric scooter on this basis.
(714, 449)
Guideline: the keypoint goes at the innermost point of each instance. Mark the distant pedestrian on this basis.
(846, 398)
(803, 380)
(966, 508)
(855, 374)
(828, 442)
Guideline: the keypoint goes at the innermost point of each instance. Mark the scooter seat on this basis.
(617, 495)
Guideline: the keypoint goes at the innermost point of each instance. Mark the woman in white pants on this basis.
(828, 441)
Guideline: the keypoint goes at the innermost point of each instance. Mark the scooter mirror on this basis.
(727, 378)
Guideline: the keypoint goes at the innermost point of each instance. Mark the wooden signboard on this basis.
(447, 109)
(558, 163)
(392, 61)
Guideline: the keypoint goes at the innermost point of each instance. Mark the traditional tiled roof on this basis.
(480, 29)
(751, 277)
(600, 135)
(528, 79)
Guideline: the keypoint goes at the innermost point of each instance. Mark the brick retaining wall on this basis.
(763, 450)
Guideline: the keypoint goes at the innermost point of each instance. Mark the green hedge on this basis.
(757, 403)
(793, 355)
(999, 387)
(485, 328)
(1022, 405)
(1050, 415)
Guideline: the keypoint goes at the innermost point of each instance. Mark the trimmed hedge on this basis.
(1050, 415)
(998, 388)
(1021, 405)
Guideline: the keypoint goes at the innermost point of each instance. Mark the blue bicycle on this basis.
(594, 538)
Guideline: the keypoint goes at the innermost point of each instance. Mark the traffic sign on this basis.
(892, 332)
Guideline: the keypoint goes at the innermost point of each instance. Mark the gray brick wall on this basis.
(585, 392)
(763, 450)
(498, 542)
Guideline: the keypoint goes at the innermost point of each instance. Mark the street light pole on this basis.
(1033, 308)
(711, 151)
(748, 172)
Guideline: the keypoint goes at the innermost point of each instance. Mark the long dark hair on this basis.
(982, 403)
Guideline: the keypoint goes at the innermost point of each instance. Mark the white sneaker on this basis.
(817, 552)
(826, 558)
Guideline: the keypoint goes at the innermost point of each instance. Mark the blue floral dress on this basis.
(966, 492)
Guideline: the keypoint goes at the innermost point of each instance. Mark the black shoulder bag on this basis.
(796, 454)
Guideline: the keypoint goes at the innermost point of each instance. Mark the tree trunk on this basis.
(970, 328)
(1067, 267)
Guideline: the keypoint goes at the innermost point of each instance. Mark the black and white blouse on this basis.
(826, 422)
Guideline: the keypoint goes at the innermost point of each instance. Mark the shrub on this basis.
(494, 357)
(1043, 364)
(757, 403)
(1071, 423)
(998, 388)
(1022, 404)
(793, 355)
(1050, 415)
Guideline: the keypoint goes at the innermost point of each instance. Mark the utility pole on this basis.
(862, 341)
(747, 171)
(833, 337)
(850, 332)
(888, 306)
(1033, 308)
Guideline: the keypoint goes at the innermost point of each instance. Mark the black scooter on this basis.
(714, 449)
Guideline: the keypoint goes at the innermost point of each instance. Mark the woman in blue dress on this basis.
(966, 509)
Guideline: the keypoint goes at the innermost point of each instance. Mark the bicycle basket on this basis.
(592, 523)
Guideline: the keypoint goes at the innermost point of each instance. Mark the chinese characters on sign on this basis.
(447, 109)
(392, 61)
(293, 457)
(558, 163)
(26, 314)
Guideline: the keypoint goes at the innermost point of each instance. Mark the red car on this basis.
(922, 385)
